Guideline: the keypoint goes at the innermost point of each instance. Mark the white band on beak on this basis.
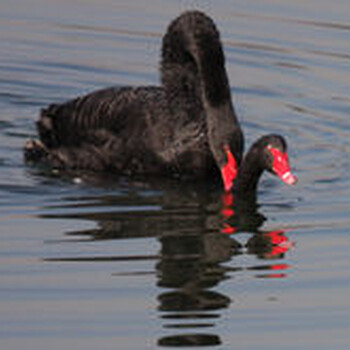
(286, 174)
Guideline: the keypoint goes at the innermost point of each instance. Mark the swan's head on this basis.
(275, 158)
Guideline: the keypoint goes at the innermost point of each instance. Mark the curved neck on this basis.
(192, 54)
(194, 76)
(249, 175)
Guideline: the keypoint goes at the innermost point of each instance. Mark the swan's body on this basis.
(180, 128)
(127, 130)
(186, 127)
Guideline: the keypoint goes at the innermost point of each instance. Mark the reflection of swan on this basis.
(151, 211)
(193, 262)
(190, 340)
(185, 304)
(241, 215)
(194, 258)
(190, 264)
(269, 245)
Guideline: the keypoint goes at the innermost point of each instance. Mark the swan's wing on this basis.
(112, 109)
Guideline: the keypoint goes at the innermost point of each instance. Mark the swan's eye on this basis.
(276, 153)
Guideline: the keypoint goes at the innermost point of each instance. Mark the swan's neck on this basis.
(194, 76)
(249, 175)
(193, 60)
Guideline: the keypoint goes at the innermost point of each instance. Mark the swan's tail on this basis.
(45, 126)
(35, 151)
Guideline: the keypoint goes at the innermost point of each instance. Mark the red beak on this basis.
(281, 166)
(229, 171)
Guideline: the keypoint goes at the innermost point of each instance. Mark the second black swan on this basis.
(187, 127)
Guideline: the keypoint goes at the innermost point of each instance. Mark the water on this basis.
(107, 264)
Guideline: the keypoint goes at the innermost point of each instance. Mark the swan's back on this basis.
(114, 109)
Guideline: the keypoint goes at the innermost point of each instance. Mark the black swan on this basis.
(186, 128)
(239, 207)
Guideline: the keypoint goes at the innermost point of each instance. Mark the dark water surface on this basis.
(114, 264)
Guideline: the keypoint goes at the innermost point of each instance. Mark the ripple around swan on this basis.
(104, 261)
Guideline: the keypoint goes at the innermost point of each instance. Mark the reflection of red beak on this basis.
(280, 242)
(281, 166)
